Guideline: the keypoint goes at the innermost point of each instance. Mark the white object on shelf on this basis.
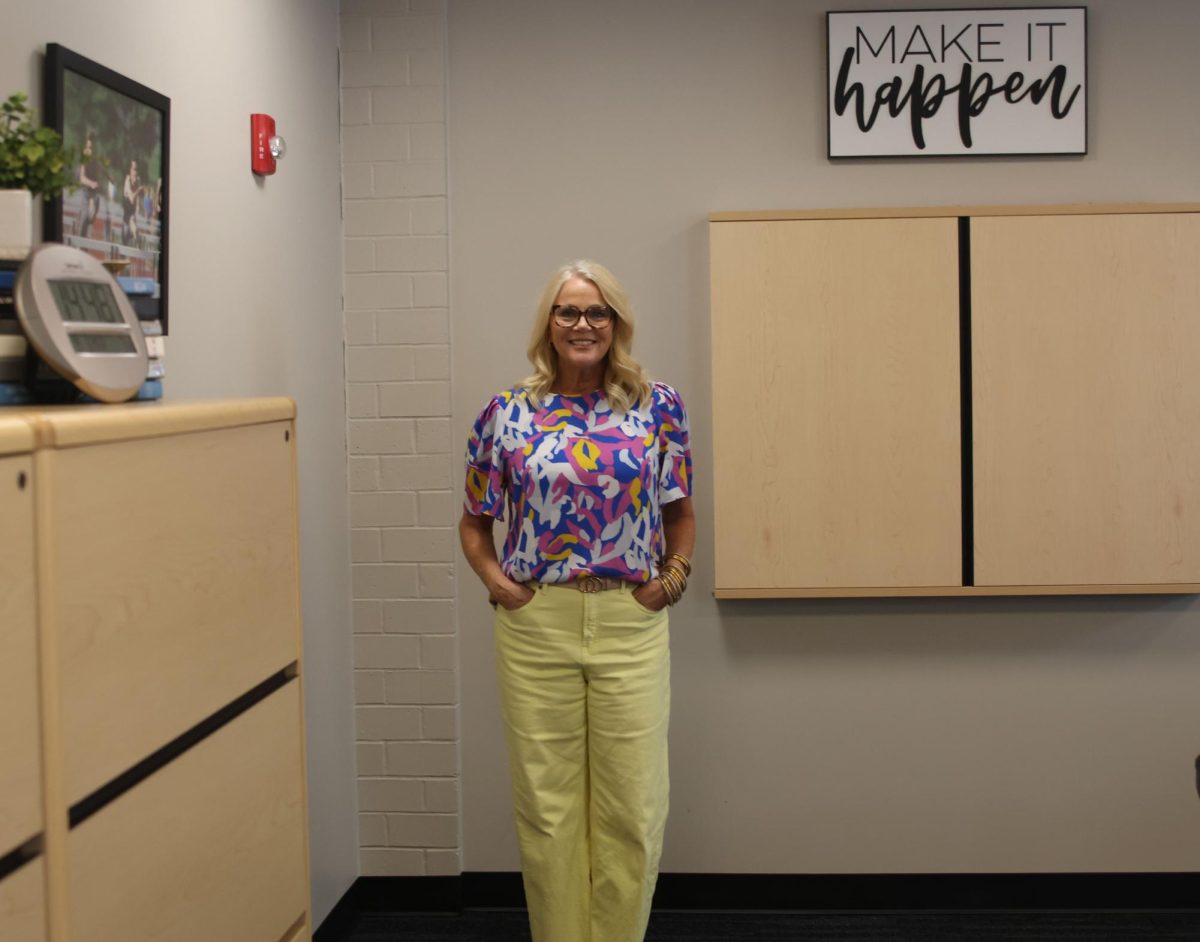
(16, 223)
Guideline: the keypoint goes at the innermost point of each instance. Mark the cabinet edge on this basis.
(87, 425)
(908, 212)
(807, 592)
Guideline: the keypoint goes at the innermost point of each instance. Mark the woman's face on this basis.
(582, 347)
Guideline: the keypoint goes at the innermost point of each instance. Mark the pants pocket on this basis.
(648, 612)
(507, 616)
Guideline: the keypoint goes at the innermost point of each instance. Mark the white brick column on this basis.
(404, 469)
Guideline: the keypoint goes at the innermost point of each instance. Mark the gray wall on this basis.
(255, 285)
(835, 736)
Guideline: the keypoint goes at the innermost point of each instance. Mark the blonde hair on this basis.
(625, 382)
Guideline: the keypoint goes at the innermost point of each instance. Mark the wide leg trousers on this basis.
(585, 689)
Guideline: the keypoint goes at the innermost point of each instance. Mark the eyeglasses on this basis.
(597, 316)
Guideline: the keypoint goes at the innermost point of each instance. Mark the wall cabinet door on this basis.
(836, 405)
(1085, 340)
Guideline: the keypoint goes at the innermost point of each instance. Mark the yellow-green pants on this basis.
(585, 689)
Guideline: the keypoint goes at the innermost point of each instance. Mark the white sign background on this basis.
(914, 62)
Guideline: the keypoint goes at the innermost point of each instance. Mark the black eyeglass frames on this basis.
(597, 316)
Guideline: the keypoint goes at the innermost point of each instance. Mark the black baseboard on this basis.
(929, 892)
(797, 893)
(393, 895)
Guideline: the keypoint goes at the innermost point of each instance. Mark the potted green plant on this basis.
(33, 162)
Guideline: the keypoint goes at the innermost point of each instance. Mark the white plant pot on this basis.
(16, 223)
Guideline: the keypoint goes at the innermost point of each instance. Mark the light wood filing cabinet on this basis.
(22, 864)
(956, 401)
(169, 611)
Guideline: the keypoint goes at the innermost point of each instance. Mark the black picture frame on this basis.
(121, 209)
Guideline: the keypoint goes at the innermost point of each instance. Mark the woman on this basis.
(129, 193)
(592, 463)
(88, 178)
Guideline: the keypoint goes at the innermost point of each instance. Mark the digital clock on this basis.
(79, 321)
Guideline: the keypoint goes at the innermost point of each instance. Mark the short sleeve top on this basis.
(582, 486)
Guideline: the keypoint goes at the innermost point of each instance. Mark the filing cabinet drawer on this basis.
(209, 847)
(20, 760)
(23, 904)
(174, 586)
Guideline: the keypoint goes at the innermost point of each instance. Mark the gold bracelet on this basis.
(678, 574)
(687, 563)
(682, 586)
(667, 587)
(673, 582)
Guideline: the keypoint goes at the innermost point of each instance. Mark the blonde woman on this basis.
(590, 463)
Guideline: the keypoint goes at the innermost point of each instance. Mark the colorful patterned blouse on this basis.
(584, 486)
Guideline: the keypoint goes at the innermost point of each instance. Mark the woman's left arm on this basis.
(679, 528)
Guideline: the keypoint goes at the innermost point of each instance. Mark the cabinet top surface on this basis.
(67, 426)
(908, 212)
(16, 437)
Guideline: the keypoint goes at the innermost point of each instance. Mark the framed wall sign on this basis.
(912, 83)
(119, 211)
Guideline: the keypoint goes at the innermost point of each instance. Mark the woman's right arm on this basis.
(480, 550)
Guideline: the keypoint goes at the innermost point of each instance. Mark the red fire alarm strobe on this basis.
(266, 147)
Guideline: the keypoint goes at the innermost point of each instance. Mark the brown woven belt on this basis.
(595, 583)
(588, 584)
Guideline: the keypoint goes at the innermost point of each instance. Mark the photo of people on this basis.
(115, 211)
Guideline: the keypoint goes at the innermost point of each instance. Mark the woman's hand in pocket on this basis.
(511, 595)
(651, 595)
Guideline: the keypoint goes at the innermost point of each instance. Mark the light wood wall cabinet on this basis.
(956, 401)
(168, 684)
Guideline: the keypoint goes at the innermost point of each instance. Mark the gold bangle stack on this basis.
(673, 584)
(684, 561)
(673, 581)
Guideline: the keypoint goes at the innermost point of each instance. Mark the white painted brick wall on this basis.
(370, 759)
(426, 472)
(384, 582)
(372, 291)
(415, 326)
(366, 546)
(364, 473)
(414, 399)
(382, 437)
(436, 581)
(368, 617)
(404, 462)
(382, 510)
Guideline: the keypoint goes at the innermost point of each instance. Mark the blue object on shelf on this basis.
(138, 287)
(15, 394)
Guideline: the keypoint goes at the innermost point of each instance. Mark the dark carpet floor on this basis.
(511, 926)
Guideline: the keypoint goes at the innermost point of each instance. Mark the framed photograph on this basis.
(120, 209)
